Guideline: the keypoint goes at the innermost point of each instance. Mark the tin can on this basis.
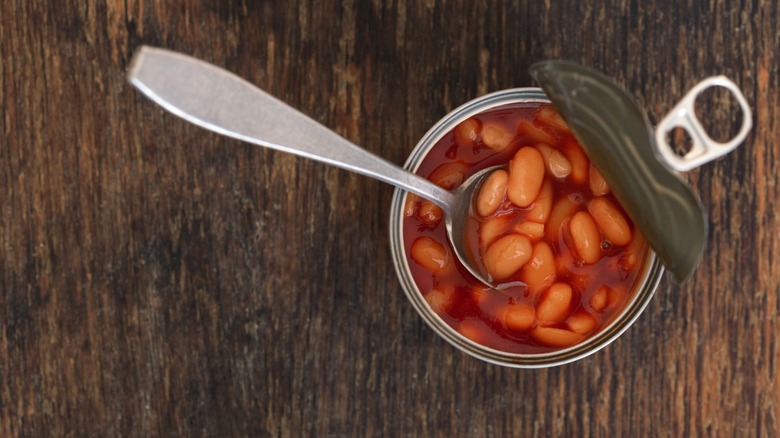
(648, 278)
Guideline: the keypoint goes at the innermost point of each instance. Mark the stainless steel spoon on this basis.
(220, 101)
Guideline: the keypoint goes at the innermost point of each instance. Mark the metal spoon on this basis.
(220, 101)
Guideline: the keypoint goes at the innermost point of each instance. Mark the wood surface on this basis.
(160, 280)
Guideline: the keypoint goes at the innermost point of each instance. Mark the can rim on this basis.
(652, 268)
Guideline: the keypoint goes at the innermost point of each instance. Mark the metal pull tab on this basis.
(704, 148)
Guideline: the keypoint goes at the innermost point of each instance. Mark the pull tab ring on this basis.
(683, 116)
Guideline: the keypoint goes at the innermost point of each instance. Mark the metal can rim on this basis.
(651, 277)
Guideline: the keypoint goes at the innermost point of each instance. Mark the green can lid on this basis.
(616, 135)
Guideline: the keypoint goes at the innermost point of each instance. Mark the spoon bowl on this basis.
(455, 221)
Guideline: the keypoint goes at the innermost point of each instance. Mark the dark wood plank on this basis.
(156, 279)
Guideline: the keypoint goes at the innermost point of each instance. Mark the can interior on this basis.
(647, 282)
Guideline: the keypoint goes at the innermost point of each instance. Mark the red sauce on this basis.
(515, 317)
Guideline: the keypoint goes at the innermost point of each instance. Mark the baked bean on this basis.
(557, 164)
(533, 230)
(410, 206)
(473, 330)
(491, 194)
(582, 322)
(615, 296)
(610, 221)
(549, 116)
(507, 255)
(542, 204)
(531, 132)
(598, 185)
(633, 252)
(579, 162)
(526, 175)
(539, 272)
(555, 337)
(439, 298)
(606, 297)
(555, 303)
(518, 317)
(586, 237)
(496, 136)
(429, 213)
(430, 254)
(449, 175)
(467, 132)
(492, 229)
(561, 211)
(598, 301)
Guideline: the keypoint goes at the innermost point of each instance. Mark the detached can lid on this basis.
(637, 162)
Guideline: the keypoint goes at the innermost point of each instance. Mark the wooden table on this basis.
(157, 279)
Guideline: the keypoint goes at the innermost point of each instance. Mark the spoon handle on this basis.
(220, 101)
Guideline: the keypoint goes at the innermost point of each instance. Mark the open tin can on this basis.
(650, 270)
(613, 133)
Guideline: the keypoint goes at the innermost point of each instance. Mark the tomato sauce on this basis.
(575, 298)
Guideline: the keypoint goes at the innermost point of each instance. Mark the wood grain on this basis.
(159, 280)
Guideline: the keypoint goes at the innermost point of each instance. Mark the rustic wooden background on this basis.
(157, 279)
